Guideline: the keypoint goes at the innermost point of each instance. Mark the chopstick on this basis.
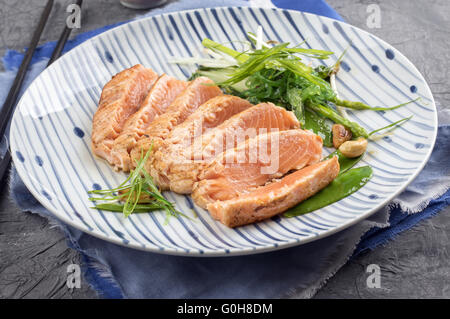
(15, 89)
(11, 99)
(62, 40)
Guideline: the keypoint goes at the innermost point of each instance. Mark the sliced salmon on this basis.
(161, 95)
(256, 162)
(120, 98)
(260, 118)
(198, 92)
(210, 114)
(276, 197)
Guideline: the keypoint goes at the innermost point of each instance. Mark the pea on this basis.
(343, 186)
(116, 207)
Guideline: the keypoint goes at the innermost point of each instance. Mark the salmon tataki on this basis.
(198, 92)
(240, 137)
(276, 197)
(161, 95)
(260, 118)
(210, 114)
(254, 163)
(257, 119)
(120, 98)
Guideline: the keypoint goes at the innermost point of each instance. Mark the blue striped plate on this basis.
(51, 128)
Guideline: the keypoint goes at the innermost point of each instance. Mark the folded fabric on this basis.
(298, 272)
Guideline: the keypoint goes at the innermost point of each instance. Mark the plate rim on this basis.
(219, 252)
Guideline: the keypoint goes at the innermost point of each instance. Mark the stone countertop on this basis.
(35, 256)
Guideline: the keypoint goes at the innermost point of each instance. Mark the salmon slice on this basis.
(120, 98)
(210, 114)
(276, 197)
(263, 117)
(198, 92)
(161, 95)
(256, 162)
(260, 118)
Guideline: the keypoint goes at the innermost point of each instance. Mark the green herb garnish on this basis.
(136, 194)
(275, 72)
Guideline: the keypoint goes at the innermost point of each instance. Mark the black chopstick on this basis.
(4, 164)
(15, 89)
(11, 99)
(62, 41)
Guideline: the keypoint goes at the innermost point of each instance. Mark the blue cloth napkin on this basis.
(298, 272)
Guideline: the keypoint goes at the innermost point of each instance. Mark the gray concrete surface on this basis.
(34, 256)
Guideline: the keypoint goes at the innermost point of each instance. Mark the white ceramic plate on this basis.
(51, 128)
